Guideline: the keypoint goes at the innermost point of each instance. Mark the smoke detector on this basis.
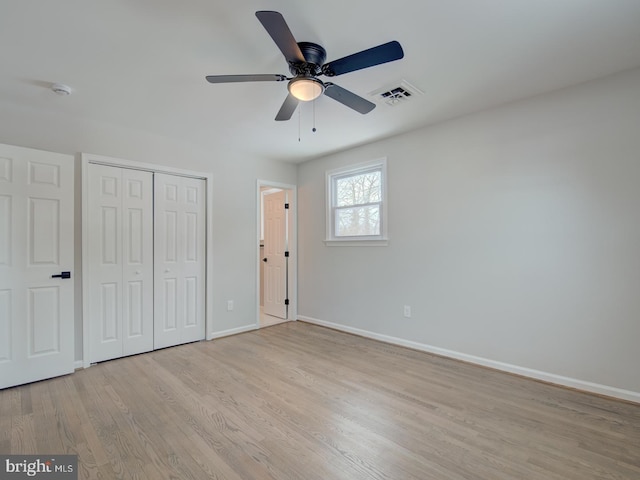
(400, 92)
(61, 89)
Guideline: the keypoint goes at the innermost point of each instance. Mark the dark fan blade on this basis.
(348, 98)
(287, 108)
(387, 52)
(274, 24)
(245, 78)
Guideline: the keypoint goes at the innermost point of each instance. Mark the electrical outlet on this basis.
(229, 305)
(407, 311)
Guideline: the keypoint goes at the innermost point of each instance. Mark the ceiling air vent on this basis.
(400, 93)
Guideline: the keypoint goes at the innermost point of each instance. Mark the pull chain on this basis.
(299, 108)
(314, 117)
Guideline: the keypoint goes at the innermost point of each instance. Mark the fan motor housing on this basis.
(314, 56)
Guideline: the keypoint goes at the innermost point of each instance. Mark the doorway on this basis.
(276, 278)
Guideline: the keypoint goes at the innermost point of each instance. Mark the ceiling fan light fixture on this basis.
(306, 89)
(306, 61)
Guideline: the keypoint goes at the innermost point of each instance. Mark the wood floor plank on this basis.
(23, 437)
(297, 401)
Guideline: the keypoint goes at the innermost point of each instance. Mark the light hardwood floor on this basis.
(268, 320)
(298, 401)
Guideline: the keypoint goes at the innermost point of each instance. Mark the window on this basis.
(356, 205)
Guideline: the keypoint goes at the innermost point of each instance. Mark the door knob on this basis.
(166, 270)
(138, 272)
(62, 275)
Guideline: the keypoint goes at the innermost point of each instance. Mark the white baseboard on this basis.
(78, 364)
(505, 367)
(231, 331)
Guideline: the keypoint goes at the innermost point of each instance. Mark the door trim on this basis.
(85, 160)
(293, 246)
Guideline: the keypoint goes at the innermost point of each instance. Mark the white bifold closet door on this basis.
(120, 261)
(180, 205)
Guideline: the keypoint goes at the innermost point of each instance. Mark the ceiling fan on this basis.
(306, 63)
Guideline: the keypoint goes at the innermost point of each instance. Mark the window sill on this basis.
(357, 243)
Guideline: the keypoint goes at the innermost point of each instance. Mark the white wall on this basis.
(514, 236)
(234, 184)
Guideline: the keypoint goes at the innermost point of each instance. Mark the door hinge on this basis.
(286, 254)
(286, 206)
(286, 301)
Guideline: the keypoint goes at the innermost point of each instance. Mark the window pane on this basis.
(359, 189)
(356, 221)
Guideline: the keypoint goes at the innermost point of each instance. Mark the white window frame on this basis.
(331, 177)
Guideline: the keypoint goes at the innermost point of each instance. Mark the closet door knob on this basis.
(166, 270)
(138, 272)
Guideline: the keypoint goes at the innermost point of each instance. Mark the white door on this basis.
(120, 262)
(275, 245)
(36, 243)
(180, 260)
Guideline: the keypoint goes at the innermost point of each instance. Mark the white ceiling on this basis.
(141, 64)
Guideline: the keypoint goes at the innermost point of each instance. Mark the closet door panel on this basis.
(166, 262)
(180, 260)
(137, 247)
(193, 285)
(105, 262)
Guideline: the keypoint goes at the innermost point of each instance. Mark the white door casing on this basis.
(36, 242)
(119, 261)
(275, 245)
(180, 260)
